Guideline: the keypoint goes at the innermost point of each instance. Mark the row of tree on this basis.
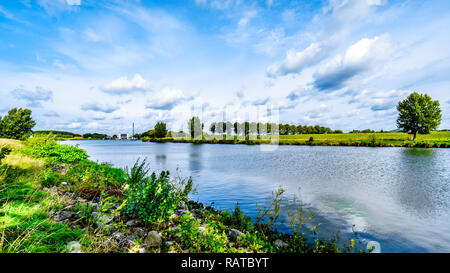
(257, 128)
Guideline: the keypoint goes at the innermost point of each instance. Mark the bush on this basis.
(201, 239)
(4, 151)
(51, 179)
(90, 178)
(59, 154)
(153, 198)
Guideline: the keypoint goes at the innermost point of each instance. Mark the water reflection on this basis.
(195, 157)
(417, 152)
(160, 154)
(416, 187)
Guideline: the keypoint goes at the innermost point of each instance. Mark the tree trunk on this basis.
(415, 134)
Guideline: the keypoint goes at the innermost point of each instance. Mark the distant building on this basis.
(122, 136)
(78, 137)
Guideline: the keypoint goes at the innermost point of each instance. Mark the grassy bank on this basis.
(53, 199)
(433, 140)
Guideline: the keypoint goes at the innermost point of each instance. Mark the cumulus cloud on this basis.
(247, 17)
(295, 62)
(96, 107)
(358, 58)
(34, 98)
(123, 85)
(261, 101)
(74, 125)
(165, 99)
(73, 2)
(91, 35)
(51, 114)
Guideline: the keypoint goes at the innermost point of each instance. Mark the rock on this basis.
(280, 244)
(133, 223)
(181, 212)
(137, 233)
(110, 228)
(202, 230)
(142, 250)
(64, 215)
(170, 243)
(234, 234)
(117, 240)
(183, 206)
(153, 239)
(102, 219)
(95, 215)
(74, 247)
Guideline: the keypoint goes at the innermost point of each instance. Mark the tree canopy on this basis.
(160, 130)
(17, 124)
(195, 127)
(418, 113)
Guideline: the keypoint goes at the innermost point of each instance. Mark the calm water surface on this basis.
(398, 197)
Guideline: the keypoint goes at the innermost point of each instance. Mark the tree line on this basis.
(258, 128)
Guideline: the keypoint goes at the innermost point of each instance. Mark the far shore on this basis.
(439, 139)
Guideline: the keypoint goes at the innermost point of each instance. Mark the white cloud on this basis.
(73, 2)
(90, 35)
(247, 17)
(96, 107)
(357, 59)
(74, 125)
(165, 99)
(34, 98)
(295, 62)
(122, 85)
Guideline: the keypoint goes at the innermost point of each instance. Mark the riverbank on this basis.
(433, 140)
(53, 199)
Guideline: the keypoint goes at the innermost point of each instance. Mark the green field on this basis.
(440, 139)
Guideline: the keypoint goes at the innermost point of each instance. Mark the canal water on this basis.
(396, 197)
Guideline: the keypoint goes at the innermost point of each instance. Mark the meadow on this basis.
(439, 139)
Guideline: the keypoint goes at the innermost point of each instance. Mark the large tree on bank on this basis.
(17, 124)
(418, 113)
(195, 128)
(160, 130)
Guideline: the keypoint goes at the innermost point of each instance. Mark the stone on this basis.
(181, 212)
(133, 223)
(234, 234)
(183, 206)
(118, 240)
(137, 233)
(142, 250)
(153, 239)
(64, 215)
(110, 228)
(202, 230)
(74, 247)
(280, 244)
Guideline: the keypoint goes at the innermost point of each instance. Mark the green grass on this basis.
(439, 139)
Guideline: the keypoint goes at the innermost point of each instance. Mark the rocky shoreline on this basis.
(119, 233)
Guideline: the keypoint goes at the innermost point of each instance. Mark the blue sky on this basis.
(98, 66)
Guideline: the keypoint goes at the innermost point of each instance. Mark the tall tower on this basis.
(132, 136)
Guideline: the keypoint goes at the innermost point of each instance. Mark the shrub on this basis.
(4, 151)
(90, 178)
(153, 198)
(55, 153)
(51, 179)
(201, 239)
